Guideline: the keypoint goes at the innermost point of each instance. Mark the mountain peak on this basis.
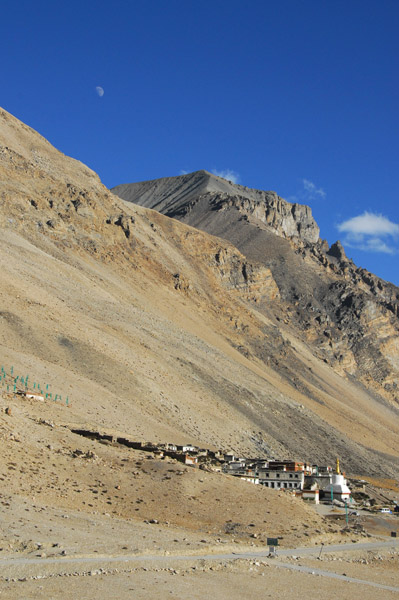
(196, 196)
(164, 193)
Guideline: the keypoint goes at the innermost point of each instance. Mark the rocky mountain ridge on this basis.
(349, 314)
(188, 197)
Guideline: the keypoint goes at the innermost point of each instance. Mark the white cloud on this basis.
(312, 190)
(370, 232)
(369, 224)
(309, 192)
(378, 245)
(183, 172)
(227, 174)
(100, 91)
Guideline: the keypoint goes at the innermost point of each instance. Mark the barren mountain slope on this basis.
(350, 316)
(152, 328)
(129, 317)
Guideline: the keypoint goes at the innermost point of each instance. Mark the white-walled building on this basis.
(288, 480)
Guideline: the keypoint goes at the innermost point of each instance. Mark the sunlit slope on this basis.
(151, 327)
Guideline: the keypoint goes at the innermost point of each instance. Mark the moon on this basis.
(100, 91)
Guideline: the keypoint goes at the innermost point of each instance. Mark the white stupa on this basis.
(338, 485)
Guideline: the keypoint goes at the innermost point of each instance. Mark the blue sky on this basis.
(300, 97)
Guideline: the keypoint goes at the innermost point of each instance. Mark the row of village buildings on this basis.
(311, 482)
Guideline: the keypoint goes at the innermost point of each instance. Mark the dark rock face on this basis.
(349, 315)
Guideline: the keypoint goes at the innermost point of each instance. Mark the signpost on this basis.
(272, 543)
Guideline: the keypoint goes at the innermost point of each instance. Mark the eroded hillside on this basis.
(348, 315)
(163, 331)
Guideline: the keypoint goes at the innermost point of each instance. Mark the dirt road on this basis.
(31, 568)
